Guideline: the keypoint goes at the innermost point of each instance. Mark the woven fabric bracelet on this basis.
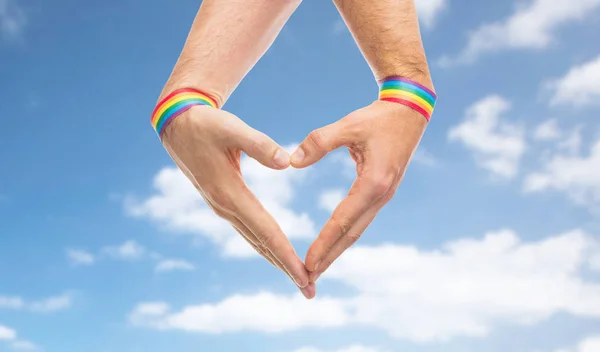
(410, 93)
(176, 103)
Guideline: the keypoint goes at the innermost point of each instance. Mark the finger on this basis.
(322, 141)
(353, 235)
(309, 291)
(247, 235)
(236, 200)
(365, 192)
(222, 203)
(259, 146)
(269, 235)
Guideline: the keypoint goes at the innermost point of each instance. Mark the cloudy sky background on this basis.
(492, 242)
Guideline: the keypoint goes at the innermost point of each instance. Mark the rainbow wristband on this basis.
(410, 93)
(175, 104)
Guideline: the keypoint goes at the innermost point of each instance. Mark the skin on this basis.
(226, 40)
(382, 136)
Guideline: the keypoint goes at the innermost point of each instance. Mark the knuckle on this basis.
(260, 249)
(378, 184)
(325, 264)
(313, 256)
(342, 225)
(224, 202)
(316, 137)
(388, 197)
(353, 237)
(264, 254)
(265, 241)
(258, 145)
(353, 128)
(222, 215)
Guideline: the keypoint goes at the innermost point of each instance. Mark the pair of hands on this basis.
(206, 144)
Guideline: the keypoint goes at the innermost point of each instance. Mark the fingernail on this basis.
(317, 266)
(309, 291)
(282, 158)
(298, 156)
(300, 284)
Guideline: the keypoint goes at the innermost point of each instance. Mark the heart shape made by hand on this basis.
(206, 144)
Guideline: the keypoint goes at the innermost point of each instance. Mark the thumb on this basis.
(260, 147)
(320, 142)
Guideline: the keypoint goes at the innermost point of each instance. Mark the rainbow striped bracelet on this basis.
(407, 92)
(175, 104)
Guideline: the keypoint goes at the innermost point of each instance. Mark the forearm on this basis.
(387, 33)
(226, 40)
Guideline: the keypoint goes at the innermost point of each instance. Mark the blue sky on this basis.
(492, 242)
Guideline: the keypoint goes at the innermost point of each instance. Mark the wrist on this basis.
(188, 73)
(418, 73)
(408, 61)
(173, 85)
(175, 103)
(405, 91)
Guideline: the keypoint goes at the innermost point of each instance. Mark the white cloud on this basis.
(344, 160)
(7, 333)
(566, 142)
(458, 290)
(329, 199)
(245, 313)
(12, 19)
(148, 310)
(576, 175)
(130, 250)
(571, 142)
(178, 207)
(563, 141)
(497, 145)
(595, 261)
(531, 26)
(579, 87)
(23, 345)
(590, 344)
(463, 286)
(353, 348)
(46, 305)
(429, 11)
(11, 302)
(547, 131)
(174, 264)
(51, 304)
(275, 189)
(80, 257)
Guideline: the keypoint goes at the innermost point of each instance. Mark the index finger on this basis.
(251, 213)
(365, 192)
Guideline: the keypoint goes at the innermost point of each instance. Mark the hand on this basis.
(206, 144)
(381, 139)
